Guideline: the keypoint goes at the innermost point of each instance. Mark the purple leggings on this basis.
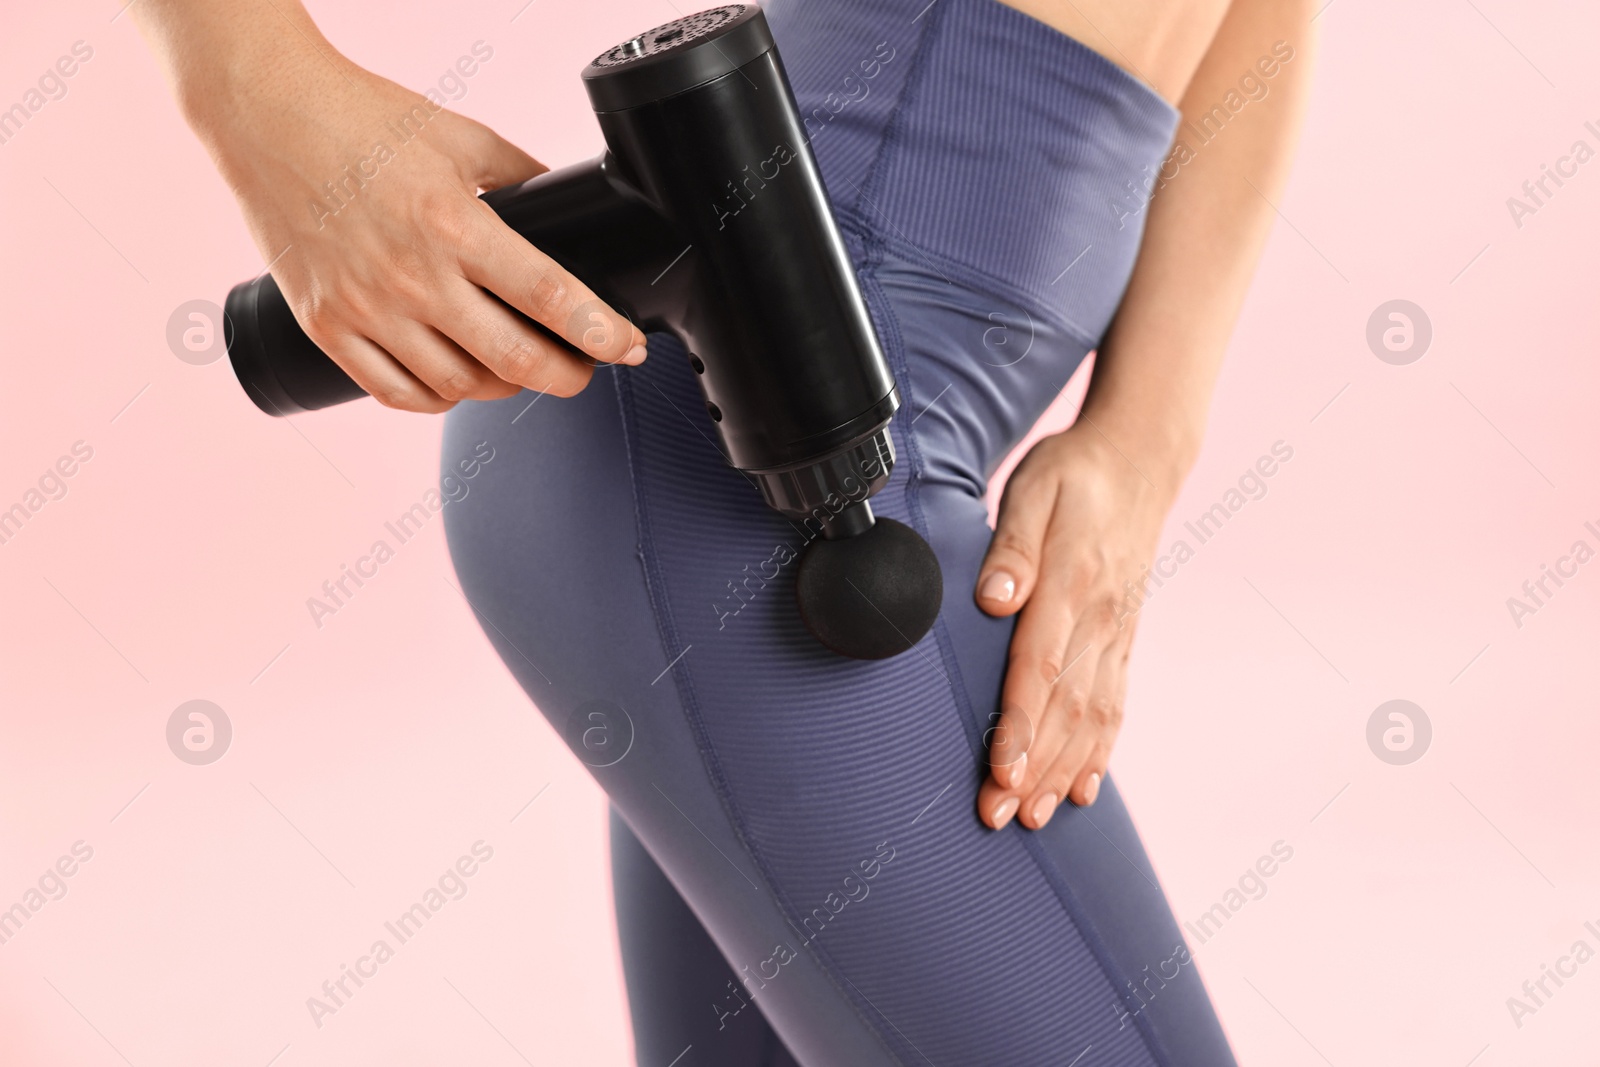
(800, 874)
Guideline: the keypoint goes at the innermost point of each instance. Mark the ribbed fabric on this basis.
(991, 143)
(618, 562)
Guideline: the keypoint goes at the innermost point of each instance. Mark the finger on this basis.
(1040, 650)
(1097, 724)
(438, 362)
(1039, 729)
(996, 806)
(380, 374)
(497, 258)
(1027, 720)
(1003, 790)
(1035, 811)
(507, 345)
(1008, 741)
(1011, 567)
(494, 161)
(1086, 788)
(1068, 712)
(1006, 791)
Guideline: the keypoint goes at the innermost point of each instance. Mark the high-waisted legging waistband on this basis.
(999, 157)
(997, 147)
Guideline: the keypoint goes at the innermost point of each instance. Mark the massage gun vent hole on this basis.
(715, 412)
(673, 34)
(697, 363)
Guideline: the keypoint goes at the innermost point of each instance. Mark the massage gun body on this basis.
(705, 217)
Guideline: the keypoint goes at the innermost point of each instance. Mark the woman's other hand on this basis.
(1076, 529)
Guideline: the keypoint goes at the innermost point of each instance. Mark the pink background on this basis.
(372, 753)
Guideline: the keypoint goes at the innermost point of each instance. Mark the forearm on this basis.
(1155, 371)
(232, 65)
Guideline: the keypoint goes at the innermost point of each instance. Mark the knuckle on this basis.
(1007, 732)
(548, 296)
(319, 324)
(396, 397)
(409, 274)
(459, 384)
(322, 313)
(573, 383)
(1075, 707)
(445, 217)
(1005, 541)
(1080, 581)
(476, 240)
(494, 387)
(1105, 714)
(522, 360)
(1061, 779)
(408, 396)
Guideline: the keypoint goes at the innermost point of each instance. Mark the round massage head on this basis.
(870, 596)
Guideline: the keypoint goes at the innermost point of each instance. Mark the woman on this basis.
(796, 854)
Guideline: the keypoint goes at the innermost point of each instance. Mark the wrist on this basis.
(261, 89)
(1154, 458)
(233, 67)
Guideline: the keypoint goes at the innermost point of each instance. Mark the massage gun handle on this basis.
(586, 217)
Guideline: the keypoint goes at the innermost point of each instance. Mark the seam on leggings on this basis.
(894, 349)
(655, 585)
(1091, 936)
(1001, 289)
(1052, 875)
(890, 140)
(891, 125)
(874, 247)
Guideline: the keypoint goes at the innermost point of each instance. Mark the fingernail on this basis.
(1015, 771)
(635, 355)
(1004, 810)
(1043, 808)
(999, 586)
(1091, 789)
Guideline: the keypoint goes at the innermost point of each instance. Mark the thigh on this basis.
(814, 813)
(548, 552)
(688, 1005)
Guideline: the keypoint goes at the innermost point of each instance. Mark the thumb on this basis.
(1011, 569)
(493, 162)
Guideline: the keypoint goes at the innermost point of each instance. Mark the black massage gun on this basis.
(706, 217)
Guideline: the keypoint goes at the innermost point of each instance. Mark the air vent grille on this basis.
(671, 36)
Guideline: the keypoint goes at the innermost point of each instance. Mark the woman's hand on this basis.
(362, 196)
(1078, 524)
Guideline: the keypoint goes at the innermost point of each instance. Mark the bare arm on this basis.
(1153, 378)
(362, 196)
(1082, 513)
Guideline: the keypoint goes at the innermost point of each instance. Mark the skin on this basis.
(1081, 514)
(393, 285)
(396, 288)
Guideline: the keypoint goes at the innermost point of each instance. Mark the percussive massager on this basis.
(706, 217)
